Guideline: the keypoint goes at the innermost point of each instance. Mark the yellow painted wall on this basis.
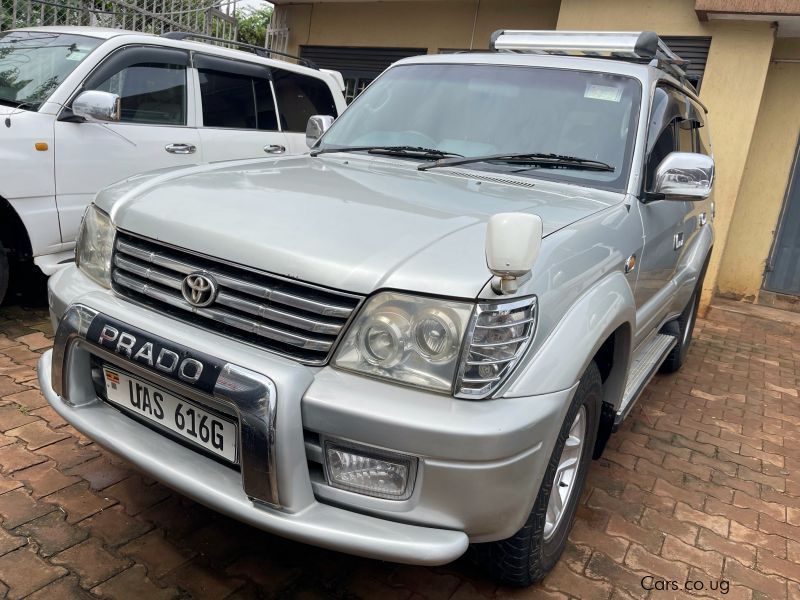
(735, 75)
(432, 25)
(766, 177)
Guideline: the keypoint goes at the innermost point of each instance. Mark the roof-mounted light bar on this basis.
(630, 45)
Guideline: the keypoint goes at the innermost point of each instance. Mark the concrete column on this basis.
(766, 177)
(732, 89)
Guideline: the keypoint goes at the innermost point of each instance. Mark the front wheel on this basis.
(533, 551)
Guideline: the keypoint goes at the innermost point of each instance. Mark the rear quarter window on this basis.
(300, 97)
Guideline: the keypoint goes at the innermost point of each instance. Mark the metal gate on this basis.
(210, 17)
(783, 269)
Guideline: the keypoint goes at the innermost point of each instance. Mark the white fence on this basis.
(210, 17)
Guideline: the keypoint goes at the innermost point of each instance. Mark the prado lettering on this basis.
(186, 365)
(188, 369)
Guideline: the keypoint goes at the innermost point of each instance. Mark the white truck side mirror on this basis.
(513, 241)
(96, 106)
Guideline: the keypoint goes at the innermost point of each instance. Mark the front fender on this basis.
(563, 357)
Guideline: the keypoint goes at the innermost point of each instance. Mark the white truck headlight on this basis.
(421, 342)
(410, 339)
(95, 245)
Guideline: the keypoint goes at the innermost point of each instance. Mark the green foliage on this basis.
(253, 23)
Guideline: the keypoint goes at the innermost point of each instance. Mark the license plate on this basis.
(176, 414)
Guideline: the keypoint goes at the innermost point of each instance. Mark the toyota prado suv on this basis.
(415, 337)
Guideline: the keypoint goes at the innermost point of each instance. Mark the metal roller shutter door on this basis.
(693, 49)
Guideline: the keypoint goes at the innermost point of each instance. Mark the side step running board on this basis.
(645, 365)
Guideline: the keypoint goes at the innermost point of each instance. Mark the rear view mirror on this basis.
(97, 107)
(683, 176)
(513, 241)
(317, 125)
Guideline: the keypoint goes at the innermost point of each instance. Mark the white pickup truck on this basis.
(84, 107)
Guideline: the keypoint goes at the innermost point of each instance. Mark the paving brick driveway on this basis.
(702, 484)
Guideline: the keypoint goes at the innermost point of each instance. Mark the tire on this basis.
(682, 328)
(3, 273)
(533, 551)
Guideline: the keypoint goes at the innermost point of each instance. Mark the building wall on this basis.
(736, 72)
(766, 177)
(435, 25)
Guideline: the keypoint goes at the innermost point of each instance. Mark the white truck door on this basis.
(156, 129)
(238, 110)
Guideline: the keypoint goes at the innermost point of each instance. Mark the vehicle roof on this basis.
(107, 33)
(643, 71)
(97, 32)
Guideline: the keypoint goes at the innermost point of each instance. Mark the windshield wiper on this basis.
(412, 151)
(535, 159)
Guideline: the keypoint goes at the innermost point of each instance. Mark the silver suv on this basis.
(417, 336)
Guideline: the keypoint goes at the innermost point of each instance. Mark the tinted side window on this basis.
(236, 101)
(300, 97)
(153, 93)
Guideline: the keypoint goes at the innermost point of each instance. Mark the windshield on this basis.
(34, 63)
(478, 110)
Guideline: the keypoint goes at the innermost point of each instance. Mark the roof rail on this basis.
(636, 46)
(258, 50)
(639, 46)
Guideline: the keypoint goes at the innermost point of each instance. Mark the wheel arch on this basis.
(613, 360)
(13, 233)
(606, 311)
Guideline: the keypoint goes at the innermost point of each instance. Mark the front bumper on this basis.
(220, 488)
(480, 463)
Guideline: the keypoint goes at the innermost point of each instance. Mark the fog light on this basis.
(369, 471)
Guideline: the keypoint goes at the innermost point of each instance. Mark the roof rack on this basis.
(637, 46)
(258, 50)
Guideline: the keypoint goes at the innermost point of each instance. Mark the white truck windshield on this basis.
(34, 63)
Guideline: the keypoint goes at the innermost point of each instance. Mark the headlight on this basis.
(94, 246)
(407, 338)
(418, 341)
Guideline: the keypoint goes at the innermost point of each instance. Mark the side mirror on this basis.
(97, 107)
(683, 176)
(513, 241)
(317, 125)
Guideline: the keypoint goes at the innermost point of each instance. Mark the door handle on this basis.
(677, 240)
(180, 148)
(274, 149)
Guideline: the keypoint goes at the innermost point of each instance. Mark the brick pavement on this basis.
(700, 483)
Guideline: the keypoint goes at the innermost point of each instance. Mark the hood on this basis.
(354, 224)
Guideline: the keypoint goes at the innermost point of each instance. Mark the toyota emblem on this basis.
(199, 289)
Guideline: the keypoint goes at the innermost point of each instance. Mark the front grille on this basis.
(287, 317)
